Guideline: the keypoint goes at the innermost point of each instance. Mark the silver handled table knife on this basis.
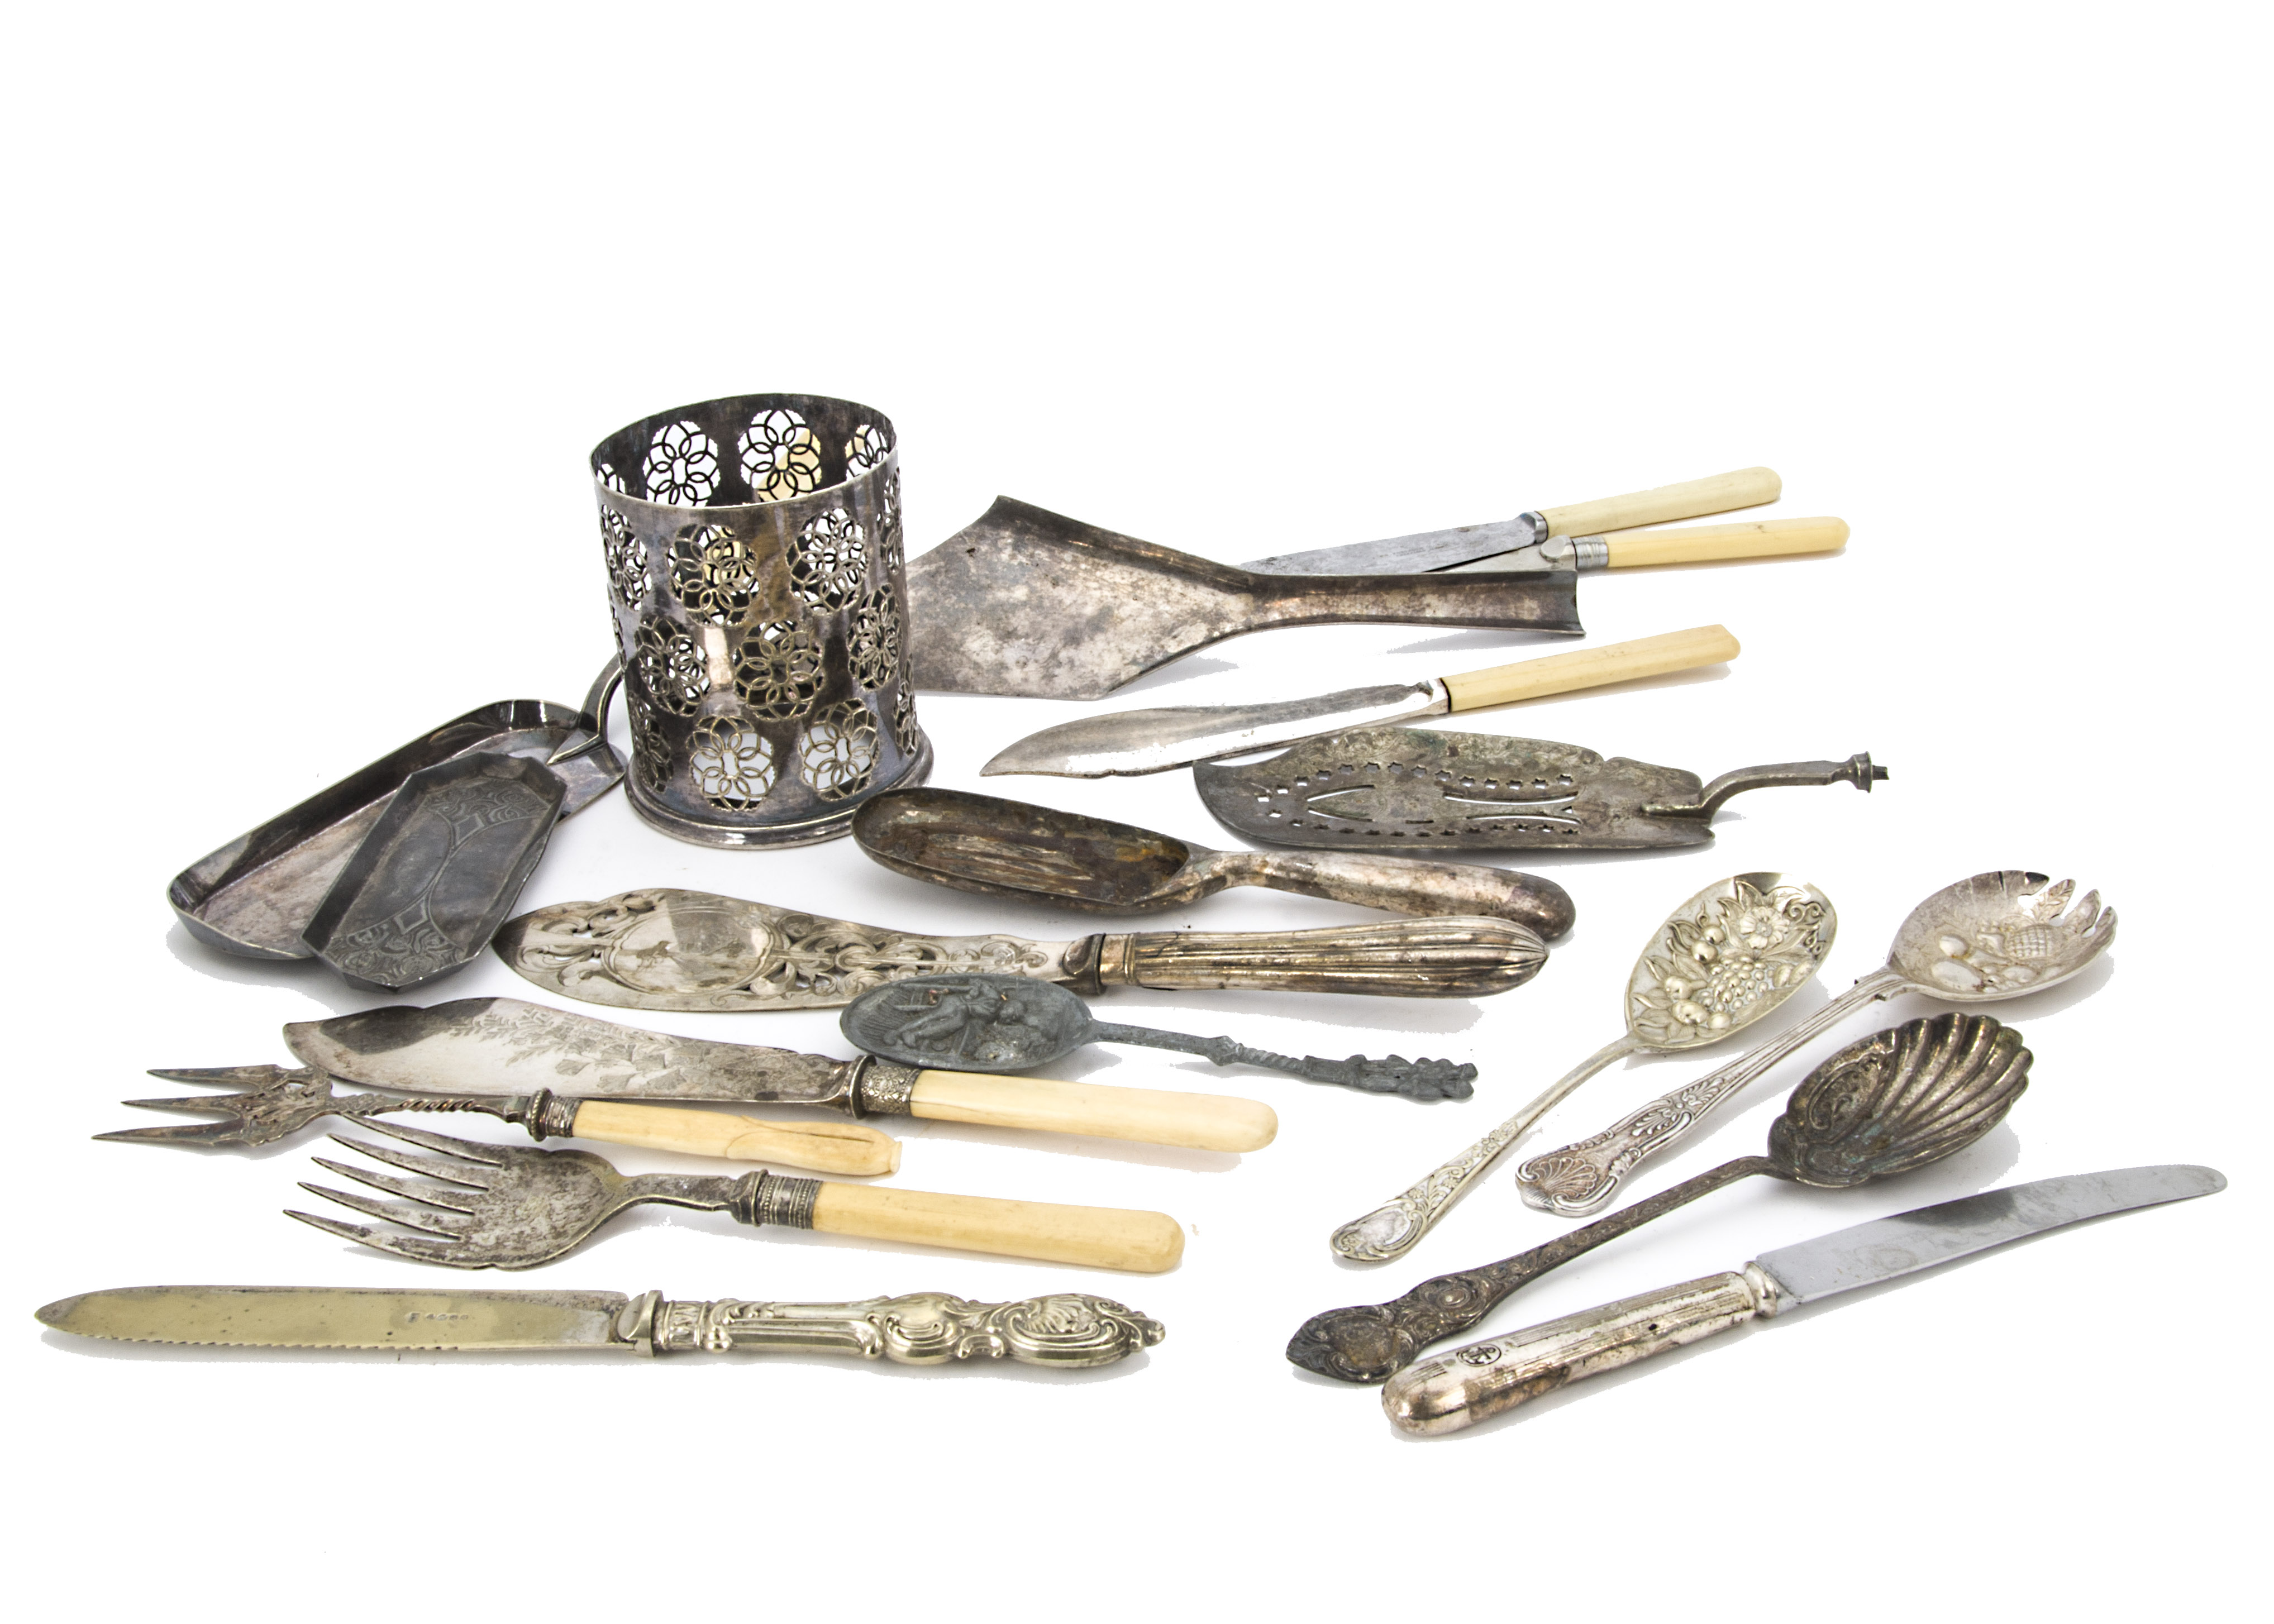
(1070, 1329)
(1468, 1385)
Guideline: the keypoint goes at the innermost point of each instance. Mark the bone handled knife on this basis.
(1131, 742)
(1465, 1387)
(1070, 1330)
(476, 1045)
(1524, 541)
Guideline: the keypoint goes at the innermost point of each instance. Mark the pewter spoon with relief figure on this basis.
(1721, 960)
(1996, 935)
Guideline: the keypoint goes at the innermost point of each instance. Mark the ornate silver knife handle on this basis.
(1582, 1177)
(1071, 1330)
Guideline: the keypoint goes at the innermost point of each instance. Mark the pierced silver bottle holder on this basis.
(760, 595)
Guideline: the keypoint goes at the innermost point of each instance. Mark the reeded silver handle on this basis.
(1392, 1229)
(1471, 1384)
(1582, 1177)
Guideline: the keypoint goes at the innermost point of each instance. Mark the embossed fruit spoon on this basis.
(1898, 1100)
(1719, 963)
(1008, 1023)
(1996, 935)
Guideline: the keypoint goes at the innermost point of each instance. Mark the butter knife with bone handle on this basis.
(504, 1046)
(692, 951)
(1069, 1330)
(1468, 1385)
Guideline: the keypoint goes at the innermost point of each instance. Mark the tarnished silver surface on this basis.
(439, 872)
(1518, 540)
(1896, 1101)
(274, 1103)
(683, 949)
(1468, 1385)
(1026, 602)
(1721, 961)
(475, 1045)
(1006, 1023)
(254, 896)
(1070, 1330)
(758, 599)
(496, 1207)
(1009, 848)
(1995, 935)
(1131, 743)
(1404, 789)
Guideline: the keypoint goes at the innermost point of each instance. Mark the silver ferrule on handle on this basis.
(1581, 553)
(1582, 1177)
(1471, 1384)
(1070, 1329)
(883, 1088)
(1392, 1229)
(760, 1198)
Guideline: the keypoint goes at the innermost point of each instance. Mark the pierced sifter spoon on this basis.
(1720, 962)
(1996, 935)
(1009, 1023)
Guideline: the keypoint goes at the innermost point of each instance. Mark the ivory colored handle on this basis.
(1155, 1116)
(1706, 544)
(1101, 1236)
(1614, 662)
(1747, 487)
(826, 1147)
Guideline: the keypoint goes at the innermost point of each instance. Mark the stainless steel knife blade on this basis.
(1889, 1248)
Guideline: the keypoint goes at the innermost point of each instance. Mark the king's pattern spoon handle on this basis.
(1392, 1229)
(1581, 1177)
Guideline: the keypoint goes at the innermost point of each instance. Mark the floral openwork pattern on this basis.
(888, 523)
(780, 457)
(1711, 967)
(713, 575)
(610, 479)
(732, 765)
(673, 668)
(827, 560)
(904, 719)
(866, 449)
(650, 749)
(876, 642)
(838, 751)
(627, 559)
(778, 670)
(682, 466)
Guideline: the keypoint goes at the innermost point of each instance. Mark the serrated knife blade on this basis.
(343, 1317)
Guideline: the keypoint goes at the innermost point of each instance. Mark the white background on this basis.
(312, 320)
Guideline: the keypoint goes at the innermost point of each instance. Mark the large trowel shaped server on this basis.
(1030, 602)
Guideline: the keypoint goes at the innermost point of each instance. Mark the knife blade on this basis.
(1070, 1329)
(1464, 1386)
(453, 1048)
(1527, 534)
(1128, 743)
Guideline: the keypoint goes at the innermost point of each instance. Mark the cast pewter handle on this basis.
(1071, 1330)
(1392, 1229)
(1581, 1178)
(1471, 1384)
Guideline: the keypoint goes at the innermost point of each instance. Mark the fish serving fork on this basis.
(501, 1207)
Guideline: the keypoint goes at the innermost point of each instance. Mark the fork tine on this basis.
(253, 1077)
(178, 1132)
(471, 1175)
(448, 1200)
(225, 1103)
(471, 1150)
(409, 1217)
(401, 1245)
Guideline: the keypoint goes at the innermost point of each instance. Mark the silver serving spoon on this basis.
(1996, 935)
(1720, 962)
(1009, 1023)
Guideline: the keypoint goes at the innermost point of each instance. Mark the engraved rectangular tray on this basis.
(255, 895)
